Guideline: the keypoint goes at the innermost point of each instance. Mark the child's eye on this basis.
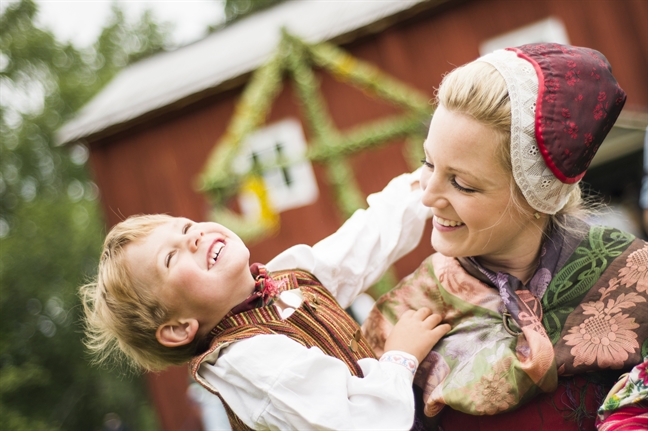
(186, 227)
(461, 188)
(167, 259)
(427, 164)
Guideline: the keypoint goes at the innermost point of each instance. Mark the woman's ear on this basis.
(177, 333)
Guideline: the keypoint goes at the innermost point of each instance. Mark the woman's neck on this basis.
(521, 264)
(522, 269)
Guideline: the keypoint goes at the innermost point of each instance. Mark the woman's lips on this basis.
(445, 225)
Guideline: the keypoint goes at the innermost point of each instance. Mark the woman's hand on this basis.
(416, 333)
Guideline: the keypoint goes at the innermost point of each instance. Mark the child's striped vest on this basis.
(320, 322)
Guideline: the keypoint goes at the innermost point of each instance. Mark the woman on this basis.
(546, 310)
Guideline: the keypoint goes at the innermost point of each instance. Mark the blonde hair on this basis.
(121, 314)
(478, 90)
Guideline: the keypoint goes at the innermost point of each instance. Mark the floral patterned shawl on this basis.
(584, 310)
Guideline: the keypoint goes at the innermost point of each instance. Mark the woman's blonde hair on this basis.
(121, 314)
(478, 90)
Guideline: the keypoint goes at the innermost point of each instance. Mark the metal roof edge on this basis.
(84, 127)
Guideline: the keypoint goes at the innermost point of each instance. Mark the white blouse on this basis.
(272, 382)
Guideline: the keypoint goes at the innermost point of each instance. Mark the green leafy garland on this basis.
(328, 145)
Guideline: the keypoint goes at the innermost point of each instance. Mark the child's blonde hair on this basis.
(121, 314)
(477, 89)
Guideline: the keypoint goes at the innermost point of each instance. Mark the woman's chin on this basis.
(444, 248)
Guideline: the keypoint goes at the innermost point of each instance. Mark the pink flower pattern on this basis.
(636, 270)
(643, 373)
(571, 129)
(606, 337)
(599, 113)
(572, 77)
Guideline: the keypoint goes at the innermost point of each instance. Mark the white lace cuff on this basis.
(401, 358)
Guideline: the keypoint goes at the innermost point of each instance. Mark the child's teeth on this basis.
(216, 251)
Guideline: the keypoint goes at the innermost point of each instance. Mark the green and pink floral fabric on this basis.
(585, 310)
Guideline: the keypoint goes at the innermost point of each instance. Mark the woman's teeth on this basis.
(448, 223)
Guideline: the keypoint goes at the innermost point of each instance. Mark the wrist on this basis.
(401, 358)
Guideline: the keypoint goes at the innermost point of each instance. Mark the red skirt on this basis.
(560, 411)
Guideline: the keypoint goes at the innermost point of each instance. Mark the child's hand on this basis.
(416, 333)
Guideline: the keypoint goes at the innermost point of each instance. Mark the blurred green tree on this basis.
(51, 229)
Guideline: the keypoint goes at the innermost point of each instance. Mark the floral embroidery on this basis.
(492, 394)
(572, 77)
(607, 336)
(636, 270)
(553, 85)
(410, 363)
(571, 129)
(588, 138)
(599, 113)
(595, 74)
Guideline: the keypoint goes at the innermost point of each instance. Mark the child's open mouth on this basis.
(214, 253)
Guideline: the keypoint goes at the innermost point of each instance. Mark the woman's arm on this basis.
(357, 255)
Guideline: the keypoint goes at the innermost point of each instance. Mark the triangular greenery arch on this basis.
(328, 145)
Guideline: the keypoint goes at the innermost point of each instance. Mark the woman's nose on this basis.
(433, 196)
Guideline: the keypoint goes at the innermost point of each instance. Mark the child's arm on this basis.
(357, 255)
(273, 382)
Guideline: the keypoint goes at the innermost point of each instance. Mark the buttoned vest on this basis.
(319, 322)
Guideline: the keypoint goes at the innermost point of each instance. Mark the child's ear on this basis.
(176, 333)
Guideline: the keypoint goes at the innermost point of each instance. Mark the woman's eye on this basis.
(461, 188)
(186, 227)
(427, 164)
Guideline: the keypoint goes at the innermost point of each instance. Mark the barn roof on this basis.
(208, 65)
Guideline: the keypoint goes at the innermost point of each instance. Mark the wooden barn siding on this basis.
(153, 168)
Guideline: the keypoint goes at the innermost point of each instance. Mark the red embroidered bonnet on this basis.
(570, 99)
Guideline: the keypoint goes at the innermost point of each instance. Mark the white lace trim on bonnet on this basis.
(542, 190)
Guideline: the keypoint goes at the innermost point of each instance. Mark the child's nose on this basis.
(194, 239)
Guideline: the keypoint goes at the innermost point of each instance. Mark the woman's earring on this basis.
(536, 215)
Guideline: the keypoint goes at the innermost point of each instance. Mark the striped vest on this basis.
(319, 322)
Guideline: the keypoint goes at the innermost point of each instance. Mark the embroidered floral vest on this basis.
(592, 317)
(319, 322)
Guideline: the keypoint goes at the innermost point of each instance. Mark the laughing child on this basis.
(273, 342)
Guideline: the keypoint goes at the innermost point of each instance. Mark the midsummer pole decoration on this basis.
(328, 146)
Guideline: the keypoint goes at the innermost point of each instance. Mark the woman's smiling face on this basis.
(470, 192)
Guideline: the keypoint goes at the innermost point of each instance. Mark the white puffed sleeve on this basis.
(352, 259)
(272, 382)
